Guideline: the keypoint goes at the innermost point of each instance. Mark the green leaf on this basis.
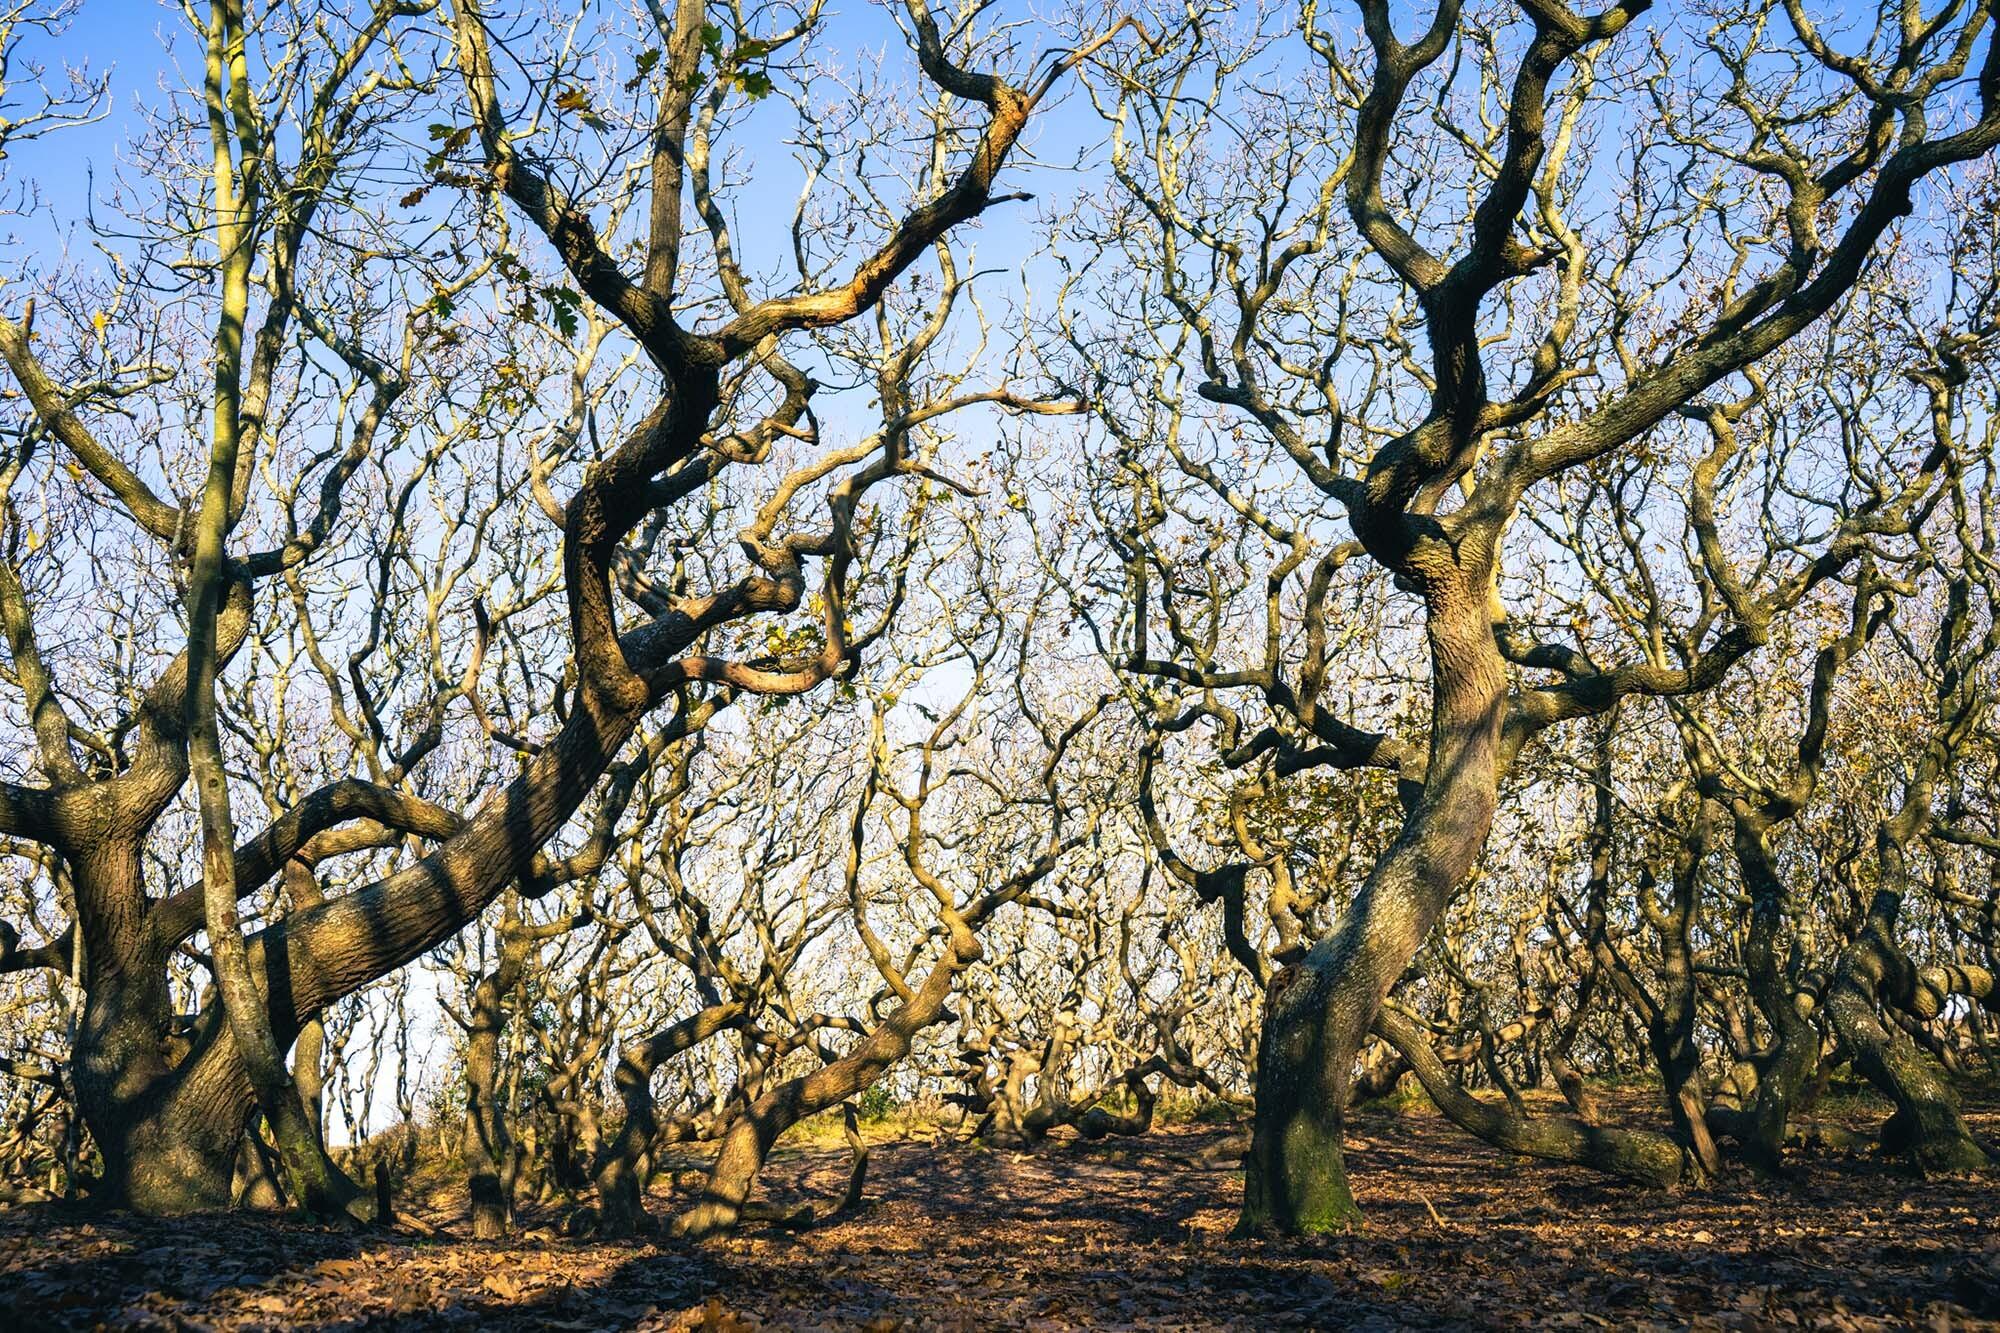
(564, 305)
(648, 60)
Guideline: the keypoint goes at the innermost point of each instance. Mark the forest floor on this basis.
(1121, 1233)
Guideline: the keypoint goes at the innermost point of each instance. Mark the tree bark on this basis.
(1794, 1049)
(1927, 1128)
(1653, 1159)
(489, 1148)
(164, 1110)
(622, 1165)
(750, 1139)
(1319, 1011)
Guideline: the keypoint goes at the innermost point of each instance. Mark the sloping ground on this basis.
(1121, 1234)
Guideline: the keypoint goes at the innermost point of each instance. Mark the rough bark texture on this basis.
(1927, 1127)
(1319, 1012)
(624, 1163)
(489, 1148)
(1651, 1158)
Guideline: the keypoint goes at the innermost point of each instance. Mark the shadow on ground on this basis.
(1129, 1233)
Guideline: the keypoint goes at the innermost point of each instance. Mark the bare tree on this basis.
(1415, 300)
(274, 238)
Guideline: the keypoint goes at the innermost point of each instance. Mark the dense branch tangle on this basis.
(282, 296)
(1421, 292)
(1529, 571)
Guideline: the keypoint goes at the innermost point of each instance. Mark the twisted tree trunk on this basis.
(750, 1139)
(623, 1164)
(489, 1148)
(1653, 1159)
(1927, 1127)
(1319, 1011)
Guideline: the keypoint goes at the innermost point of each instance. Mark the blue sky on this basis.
(140, 43)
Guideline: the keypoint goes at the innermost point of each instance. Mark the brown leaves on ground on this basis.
(1119, 1234)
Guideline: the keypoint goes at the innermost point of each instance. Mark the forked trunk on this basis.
(1794, 1048)
(750, 1139)
(172, 1148)
(167, 1119)
(624, 1162)
(489, 1148)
